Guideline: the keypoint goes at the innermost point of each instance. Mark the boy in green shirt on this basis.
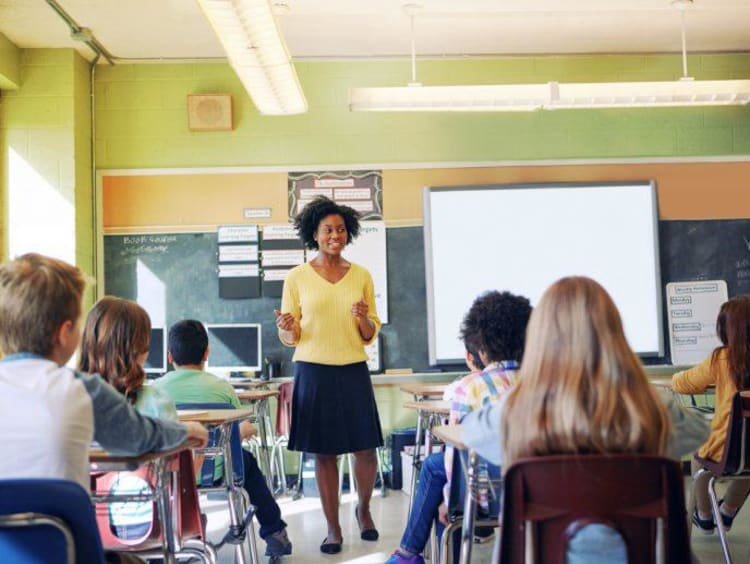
(188, 383)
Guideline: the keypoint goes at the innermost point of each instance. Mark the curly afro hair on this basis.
(496, 322)
(306, 222)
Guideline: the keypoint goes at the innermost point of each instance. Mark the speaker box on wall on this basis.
(209, 112)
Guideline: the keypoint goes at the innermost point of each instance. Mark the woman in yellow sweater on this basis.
(328, 313)
(728, 368)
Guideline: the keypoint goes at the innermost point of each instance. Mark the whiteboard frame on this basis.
(427, 191)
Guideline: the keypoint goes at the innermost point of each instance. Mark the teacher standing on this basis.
(328, 313)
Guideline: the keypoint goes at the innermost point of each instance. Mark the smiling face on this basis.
(331, 235)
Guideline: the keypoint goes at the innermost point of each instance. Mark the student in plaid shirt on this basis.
(495, 327)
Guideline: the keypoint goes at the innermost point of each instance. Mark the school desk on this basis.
(223, 420)
(164, 468)
(258, 399)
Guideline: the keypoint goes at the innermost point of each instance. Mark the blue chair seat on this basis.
(65, 502)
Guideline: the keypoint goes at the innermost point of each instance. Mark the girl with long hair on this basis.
(581, 390)
(115, 345)
(728, 368)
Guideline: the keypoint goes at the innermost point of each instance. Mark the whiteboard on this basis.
(522, 238)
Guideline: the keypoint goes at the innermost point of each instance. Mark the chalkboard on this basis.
(186, 266)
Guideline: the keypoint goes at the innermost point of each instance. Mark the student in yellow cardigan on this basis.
(328, 313)
(728, 368)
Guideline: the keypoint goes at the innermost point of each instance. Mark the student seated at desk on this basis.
(188, 351)
(495, 324)
(49, 413)
(581, 390)
(115, 345)
(728, 368)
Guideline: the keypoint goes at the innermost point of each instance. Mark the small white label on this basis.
(275, 274)
(238, 233)
(238, 271)
(279, 232)
(283, 258)
(256, 213)
(238, 253)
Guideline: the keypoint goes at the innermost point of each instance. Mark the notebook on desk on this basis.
(192, 412)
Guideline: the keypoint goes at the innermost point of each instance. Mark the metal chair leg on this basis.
(298, 492)
(717, 519)
(379, 455)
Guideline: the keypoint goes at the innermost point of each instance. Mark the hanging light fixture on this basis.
(256, 50)
(553, 95)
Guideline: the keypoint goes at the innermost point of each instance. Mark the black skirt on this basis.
(333, 409)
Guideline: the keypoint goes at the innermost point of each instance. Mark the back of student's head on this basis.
(495, 325)
(188, 342)
(581, 388)
(733, 329)
(116, 334)
(37, 295)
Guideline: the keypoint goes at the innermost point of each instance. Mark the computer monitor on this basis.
(234, 347)
(156, 362)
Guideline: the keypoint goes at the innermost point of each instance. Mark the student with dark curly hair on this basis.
(328, 313)
(496, 325)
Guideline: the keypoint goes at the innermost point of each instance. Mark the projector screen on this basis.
(521, 238)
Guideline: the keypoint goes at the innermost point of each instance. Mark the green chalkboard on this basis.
(183, 269)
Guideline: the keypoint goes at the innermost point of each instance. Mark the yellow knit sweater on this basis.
(697, 379)
(328, 330)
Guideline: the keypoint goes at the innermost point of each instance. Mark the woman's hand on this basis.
(284, 321)
(364, 323)
(288, 327)
(360, 309)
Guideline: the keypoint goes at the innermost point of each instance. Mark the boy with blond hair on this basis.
(50, 413)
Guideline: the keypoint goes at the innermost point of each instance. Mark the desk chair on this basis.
(190, 534)
(241, 514)
(47, 521)
(489, 484)
(734, 463)
(546, 500)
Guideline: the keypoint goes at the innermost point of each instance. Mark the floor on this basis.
(306, 529)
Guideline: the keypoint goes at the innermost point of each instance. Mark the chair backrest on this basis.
(546, 500)
(490, 488)
(187, 521)
(61, 499)
(238, 466)
(736, 456)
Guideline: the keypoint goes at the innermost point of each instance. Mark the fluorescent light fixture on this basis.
(255, 48)
(480, 98)
(550, 96)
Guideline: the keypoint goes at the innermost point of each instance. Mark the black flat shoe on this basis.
(330, 547)
(366, 534)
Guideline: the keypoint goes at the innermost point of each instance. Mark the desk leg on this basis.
(164, 507)
(263, 424)
(233, 496)
(467, 530)
(415, 463)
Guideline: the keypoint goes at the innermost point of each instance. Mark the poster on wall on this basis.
(693, 308)
(369, 250)
(358, 189)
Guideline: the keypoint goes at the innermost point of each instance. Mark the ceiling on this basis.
(165, 29)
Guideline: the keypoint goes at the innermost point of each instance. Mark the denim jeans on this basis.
(267, 510)
(424, 507)
(596, 543)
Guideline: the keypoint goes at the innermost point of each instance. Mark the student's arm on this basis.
(480, 430)
(120, 429)
(696, 379)
(689, 429)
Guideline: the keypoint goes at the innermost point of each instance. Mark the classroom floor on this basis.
(306, 529)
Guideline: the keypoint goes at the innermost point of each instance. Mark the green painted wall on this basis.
(142, 118)
(47, 123)
(10, 64)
